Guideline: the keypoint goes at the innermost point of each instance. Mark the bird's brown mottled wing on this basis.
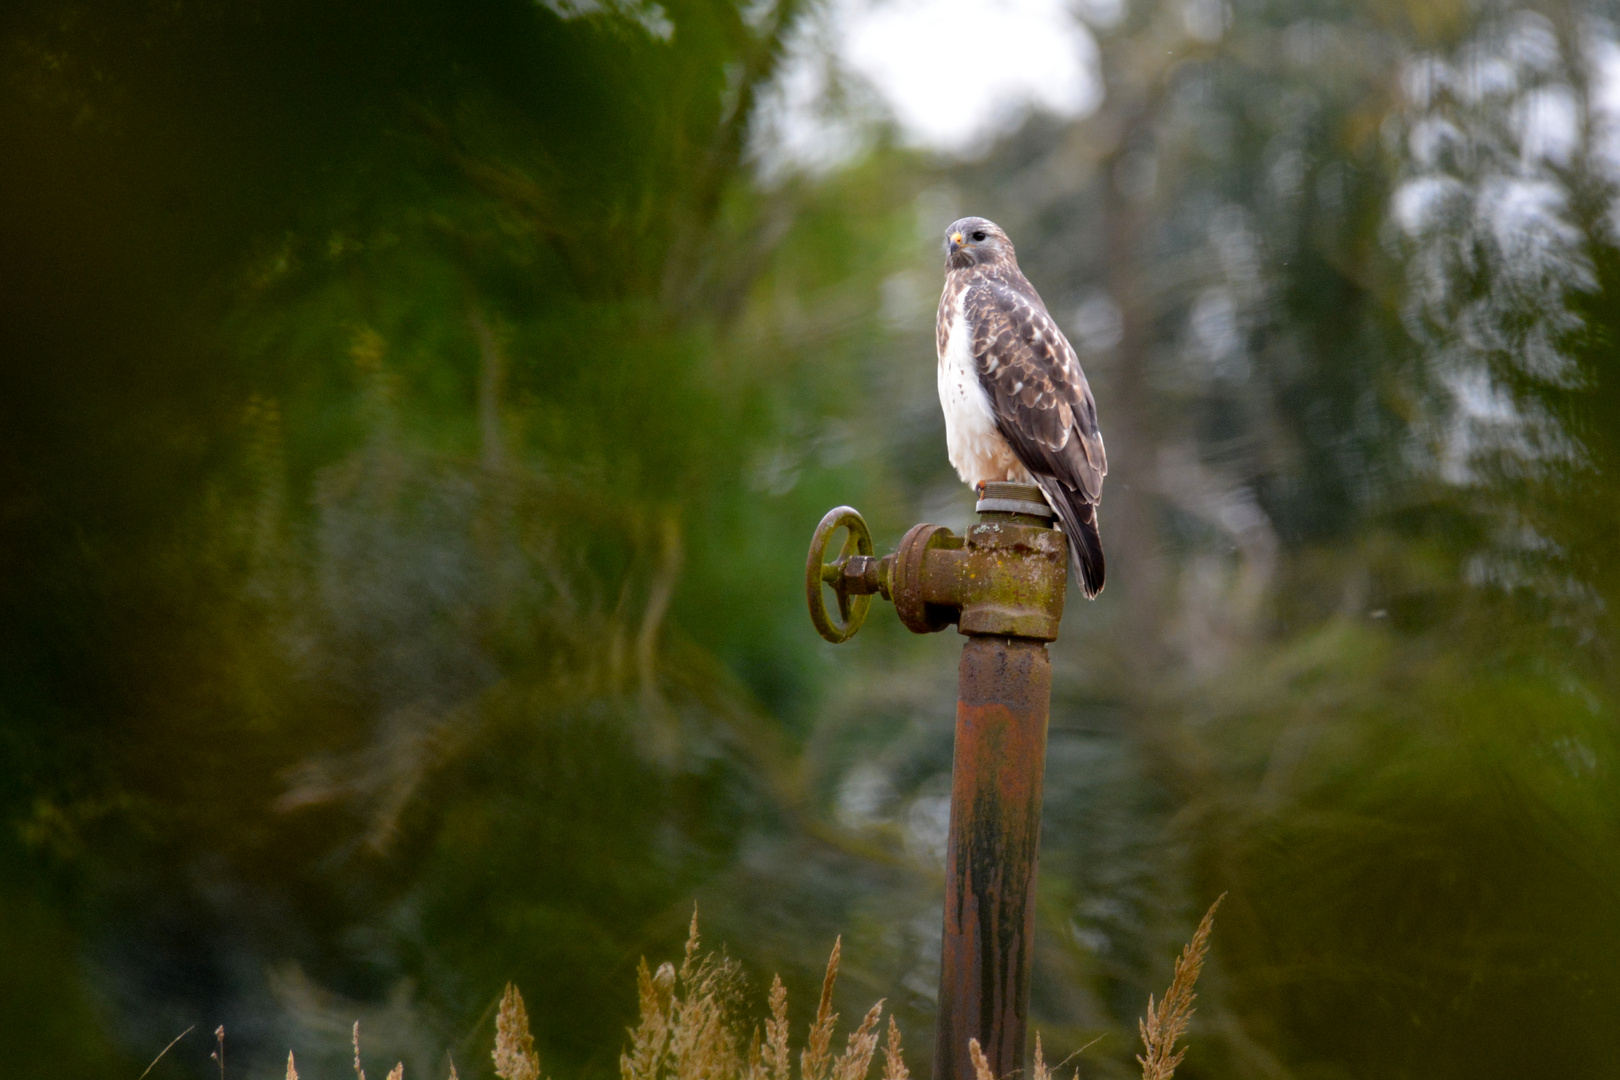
(1043, 407)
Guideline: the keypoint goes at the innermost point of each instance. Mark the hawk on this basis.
(1017, 406)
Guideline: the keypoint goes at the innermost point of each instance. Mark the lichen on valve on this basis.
(1001, 584)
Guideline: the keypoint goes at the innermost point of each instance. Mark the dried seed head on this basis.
(514, 1054)
(856, 1059)
(1167, 1023)
(981, 1066)
(816, 1058)
(894, 1065)
(650, 1038)
(777, 1058)
(688, 968)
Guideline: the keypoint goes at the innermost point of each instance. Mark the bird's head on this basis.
(976, 241)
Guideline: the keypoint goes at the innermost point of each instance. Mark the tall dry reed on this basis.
(1165, 1024)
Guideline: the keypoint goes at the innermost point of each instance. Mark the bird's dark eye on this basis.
(977, 236)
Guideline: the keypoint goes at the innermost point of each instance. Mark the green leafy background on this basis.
(412, 418)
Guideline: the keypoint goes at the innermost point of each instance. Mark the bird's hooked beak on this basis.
(956, 242)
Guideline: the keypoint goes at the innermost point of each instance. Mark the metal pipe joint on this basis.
(1006, 575)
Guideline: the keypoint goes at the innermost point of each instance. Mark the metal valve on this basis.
(1006, 575)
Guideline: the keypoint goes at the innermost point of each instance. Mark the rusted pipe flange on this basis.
(918, 616)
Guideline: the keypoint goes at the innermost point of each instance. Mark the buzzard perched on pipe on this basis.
(1016, 403)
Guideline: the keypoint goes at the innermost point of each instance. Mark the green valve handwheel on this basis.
(851, 609)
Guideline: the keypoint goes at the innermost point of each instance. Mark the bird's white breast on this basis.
(972, 441)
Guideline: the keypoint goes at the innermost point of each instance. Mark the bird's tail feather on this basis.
(1079, 520)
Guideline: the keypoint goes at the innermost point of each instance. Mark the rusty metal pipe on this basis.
(1004, 698)
(1002, 584)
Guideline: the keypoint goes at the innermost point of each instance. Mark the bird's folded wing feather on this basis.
(1040, 397)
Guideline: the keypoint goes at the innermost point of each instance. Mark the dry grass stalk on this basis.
(292, 1070)
(755, 1069)
(703, 1047)
(397, 1072)
(514, 1054)
(649, 1040)
(1041, 1071)
(894, 1066)
(981, 1065)
(453, 1075)
(856, 1059)
(1167, 1023)
(358, 1071)
(778, 1060)
(814, 1062)
(688, 968)
(165, 1050)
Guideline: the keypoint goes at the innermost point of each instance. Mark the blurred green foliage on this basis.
(413, 418)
